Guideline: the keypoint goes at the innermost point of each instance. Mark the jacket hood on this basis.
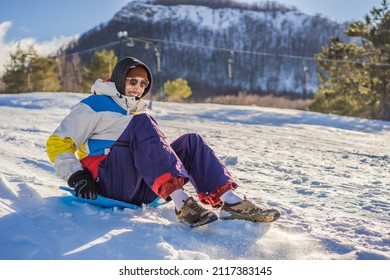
(118, 75)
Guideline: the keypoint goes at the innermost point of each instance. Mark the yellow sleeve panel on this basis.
(56, 145)
(82, 152)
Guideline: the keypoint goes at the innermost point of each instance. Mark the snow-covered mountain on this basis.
(220, 47)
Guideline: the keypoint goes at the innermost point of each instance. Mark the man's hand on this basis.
(82, 182)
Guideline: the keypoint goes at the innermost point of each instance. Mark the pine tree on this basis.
(44, 74)
(27, 72)
(355, 77)
(16, 72)
(343, 85)
(101, 67)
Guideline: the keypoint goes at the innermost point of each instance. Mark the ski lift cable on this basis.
(190, 45)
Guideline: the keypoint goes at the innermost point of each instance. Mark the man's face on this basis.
(135, 86)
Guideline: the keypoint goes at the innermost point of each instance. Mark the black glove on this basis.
(82, 182)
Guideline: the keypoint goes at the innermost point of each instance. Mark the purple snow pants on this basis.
(141, 155)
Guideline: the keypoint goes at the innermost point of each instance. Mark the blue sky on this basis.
(45, 19)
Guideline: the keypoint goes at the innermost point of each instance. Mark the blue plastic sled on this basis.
(111, 203)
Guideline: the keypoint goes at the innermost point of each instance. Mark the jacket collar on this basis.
(128, 103)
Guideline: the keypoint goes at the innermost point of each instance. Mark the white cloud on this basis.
(43, 48)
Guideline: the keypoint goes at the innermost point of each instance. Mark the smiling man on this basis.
(123, 154)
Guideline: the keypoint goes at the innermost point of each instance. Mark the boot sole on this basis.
(210, 219)
(257, 218)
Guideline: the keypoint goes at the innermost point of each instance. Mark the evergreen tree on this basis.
(355, 77)
(29, 72)
(101, 67)
(177, 90)
(16, 78)
(45, 75)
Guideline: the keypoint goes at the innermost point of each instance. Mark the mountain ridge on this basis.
(261, 49)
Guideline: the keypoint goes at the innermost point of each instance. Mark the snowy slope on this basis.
(329, 176)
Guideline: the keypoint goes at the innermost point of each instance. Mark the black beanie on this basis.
(118, 75)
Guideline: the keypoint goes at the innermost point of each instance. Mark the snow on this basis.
(329, 176)
(202, 16)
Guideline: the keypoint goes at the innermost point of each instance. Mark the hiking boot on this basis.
(195, 215)
(247, 210)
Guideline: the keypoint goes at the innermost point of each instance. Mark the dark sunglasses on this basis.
(134, 82)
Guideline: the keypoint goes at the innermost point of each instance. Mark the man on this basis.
(123, 154)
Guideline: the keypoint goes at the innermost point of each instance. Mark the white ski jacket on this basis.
(92, 127)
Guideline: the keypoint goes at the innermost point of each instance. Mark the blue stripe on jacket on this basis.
(103, 103)
(96, 146)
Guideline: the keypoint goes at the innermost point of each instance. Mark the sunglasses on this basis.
(134, 82)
